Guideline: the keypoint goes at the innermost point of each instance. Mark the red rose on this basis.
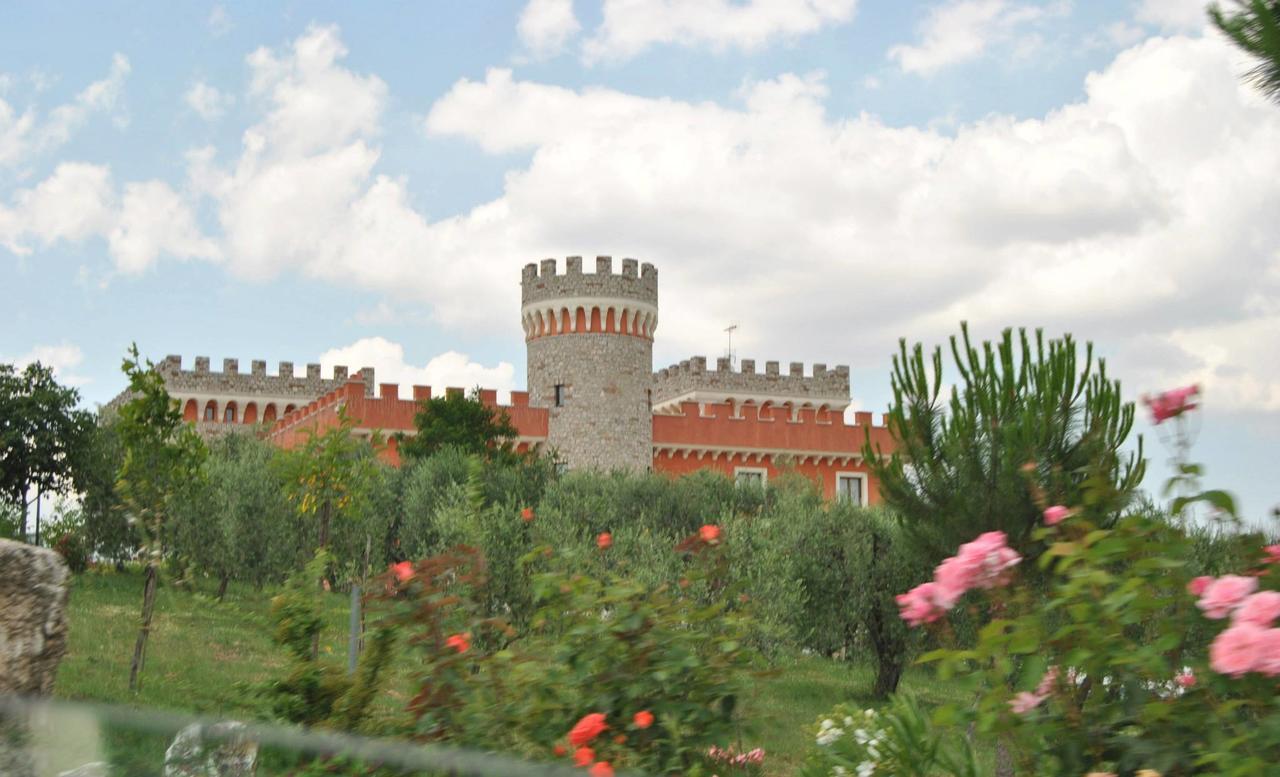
(558, 750)
(643, 719)
(604, 541)
(620, 739)
(601, 769)
(403, 571)
(710, 534)
(587, 729)
(583, 756)
(526, 514)
(459, 642)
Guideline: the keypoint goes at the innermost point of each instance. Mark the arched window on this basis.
(251, 413)
(269, 414)
(191, 410)
(229, 414)
(211, 411)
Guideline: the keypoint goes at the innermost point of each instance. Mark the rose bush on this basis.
(1108, 670)
(608, 674)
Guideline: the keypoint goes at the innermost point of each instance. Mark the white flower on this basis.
(866, 769)
(829, 735)
(838, 771)
(848, 721)
(828, 723)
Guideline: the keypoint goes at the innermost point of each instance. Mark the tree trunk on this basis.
(222, 585)
(323, 544)
(890, 651)
(148, 609)
(1004, 759)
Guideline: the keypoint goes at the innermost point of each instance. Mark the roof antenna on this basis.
(733, 362)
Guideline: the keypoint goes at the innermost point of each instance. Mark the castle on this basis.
(593, 398)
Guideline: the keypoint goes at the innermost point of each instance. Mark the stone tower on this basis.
(589, 339)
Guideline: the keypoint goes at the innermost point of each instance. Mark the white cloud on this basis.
(448, 370)
(304, 195)
(155, 220)
(546, 26)
(959, 31)
(631, 26)
(206, 101)
(63, 358)
(1141, 216)
(24, 135)
(219, 21)
(1176, 15)
(78, 201)
(1143, 213)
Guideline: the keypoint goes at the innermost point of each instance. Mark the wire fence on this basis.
(66, 739)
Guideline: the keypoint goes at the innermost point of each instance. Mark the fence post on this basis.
(353, 640)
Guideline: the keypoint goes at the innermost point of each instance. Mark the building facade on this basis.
(593, 399)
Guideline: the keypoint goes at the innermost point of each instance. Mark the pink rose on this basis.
(1225, 594)
(1024, 702)
(1237, 650)
(957, 575)
(1185, 679)
(1269, 653)
(992, 557)
(1273, 554)
(922, 604)
(1196, 587)
(1047, 682)
(1055, 515)
(1171, 403)
(1261, 609)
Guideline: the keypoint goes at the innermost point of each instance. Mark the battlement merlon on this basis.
(690, 380)
(542, 283)
(231, 380)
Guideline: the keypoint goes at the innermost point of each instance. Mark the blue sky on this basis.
(361, 184)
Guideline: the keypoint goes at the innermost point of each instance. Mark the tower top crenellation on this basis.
(542, 282)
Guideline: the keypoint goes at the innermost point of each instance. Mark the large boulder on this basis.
(219, 750)
(33, 639)
(33, 618)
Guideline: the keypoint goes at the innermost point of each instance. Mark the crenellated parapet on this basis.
(386, 413)
(603, 302)
(690, 380)
(284, 382)
(217, 401)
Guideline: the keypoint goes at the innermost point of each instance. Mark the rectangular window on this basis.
(750, 476)
(559, 395)
(851, 487)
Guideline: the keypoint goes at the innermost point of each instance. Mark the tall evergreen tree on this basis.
(1255, 27)
(1026, 424)
(463, 422)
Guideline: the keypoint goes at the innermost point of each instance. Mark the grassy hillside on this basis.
(203, 656)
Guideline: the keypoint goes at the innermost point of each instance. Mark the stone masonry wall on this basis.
(693, 375)
(605, 422)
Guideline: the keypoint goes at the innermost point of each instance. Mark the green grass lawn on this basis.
(204, 654)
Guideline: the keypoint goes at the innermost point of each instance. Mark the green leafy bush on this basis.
(316, 693)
